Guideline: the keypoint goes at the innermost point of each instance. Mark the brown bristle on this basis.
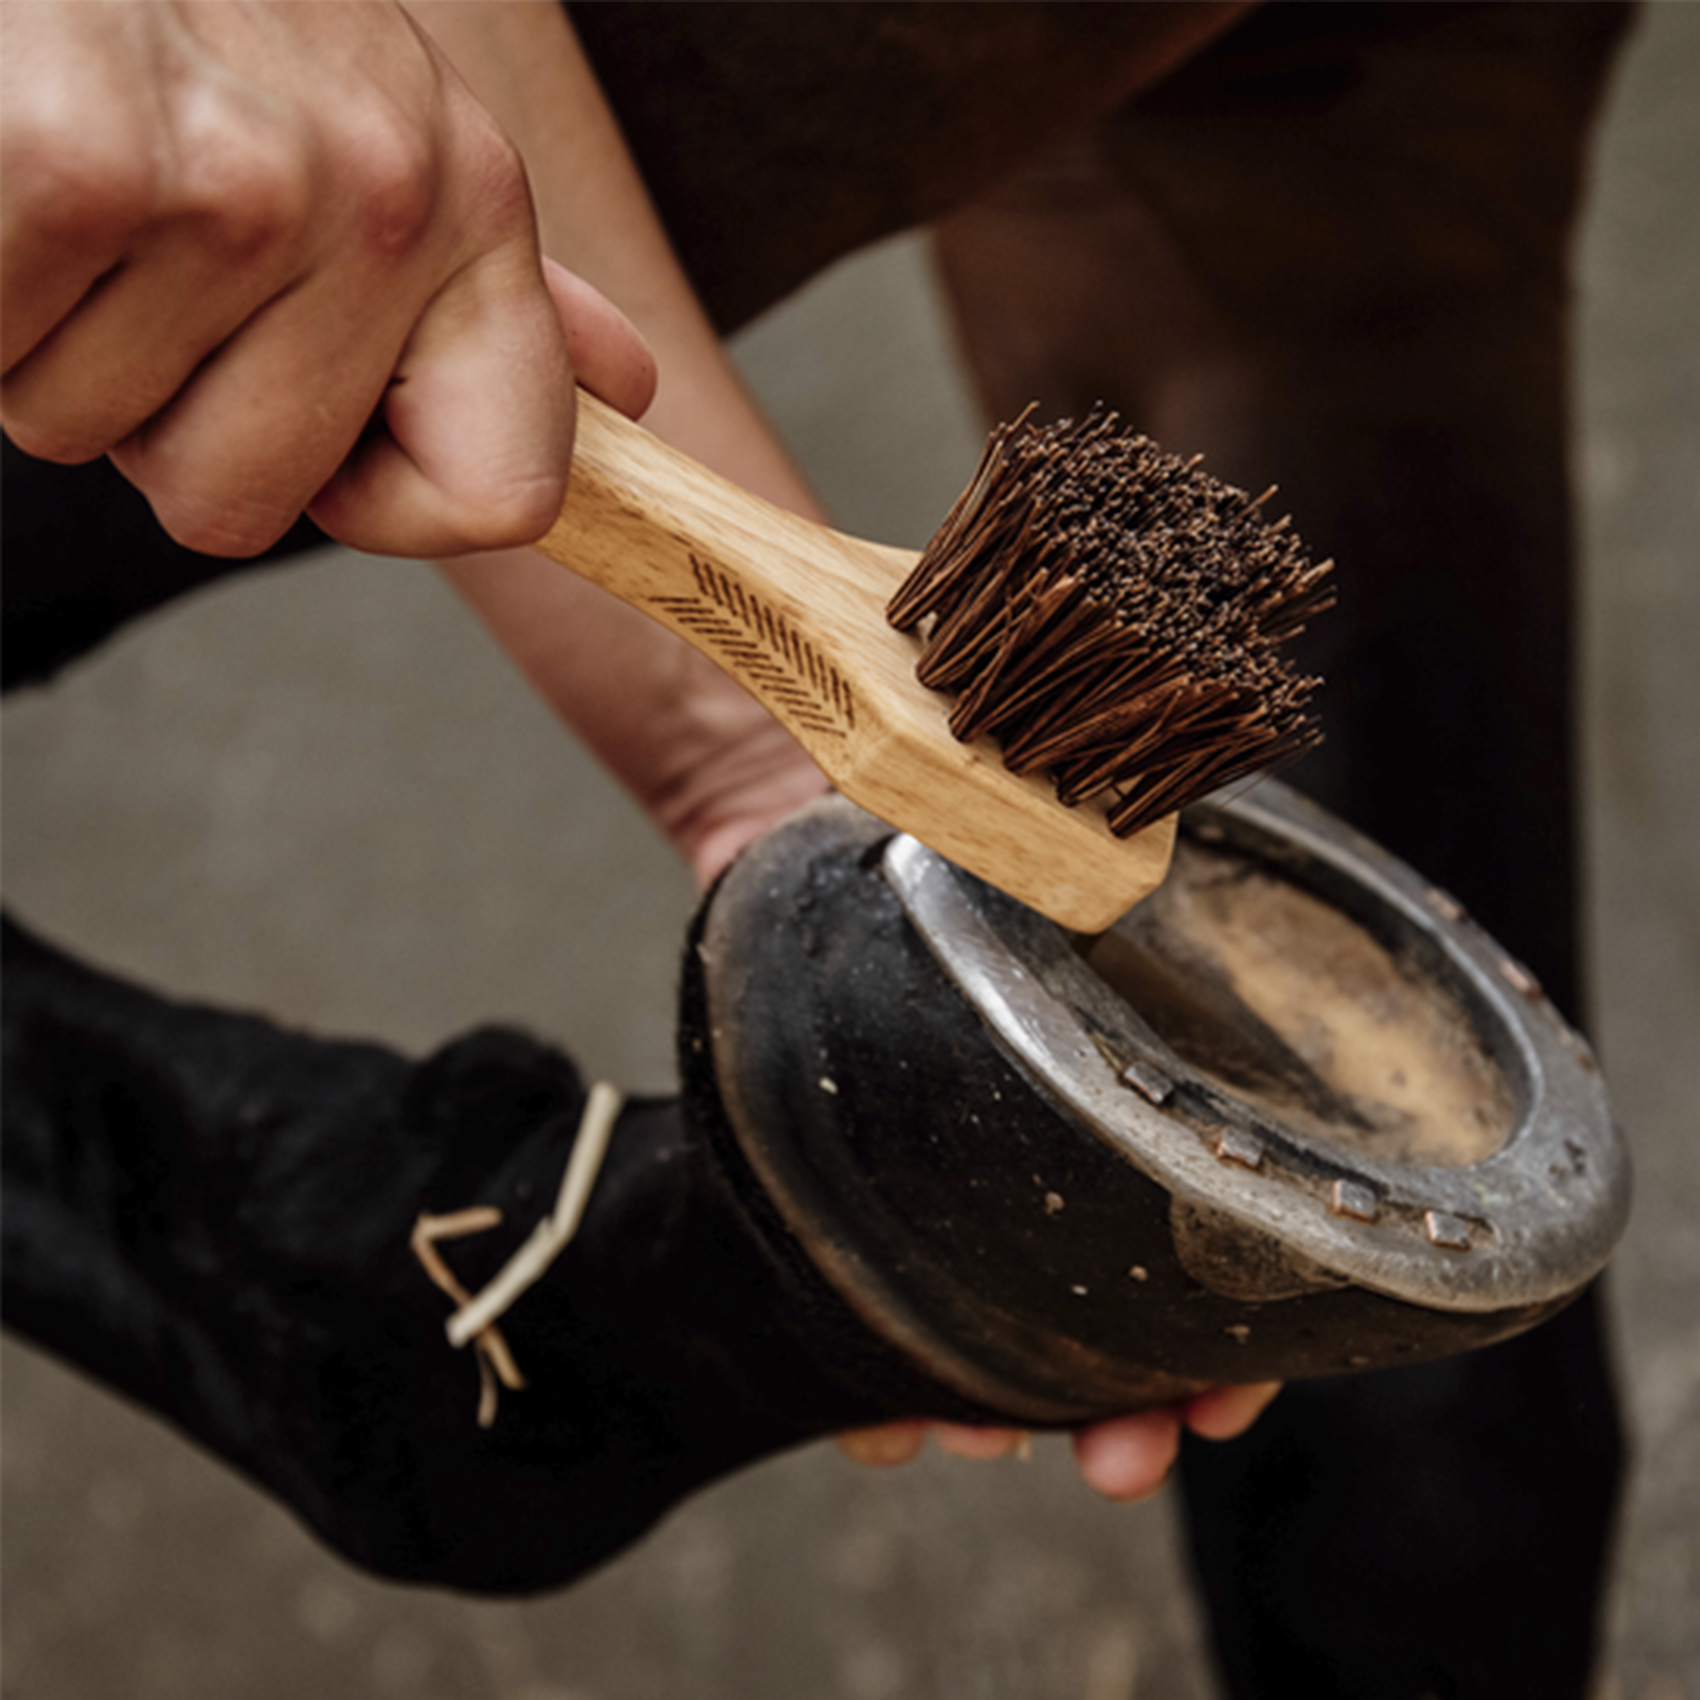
(1112, 615)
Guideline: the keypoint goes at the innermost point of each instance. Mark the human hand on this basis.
(274, 258)
(1124, 1458)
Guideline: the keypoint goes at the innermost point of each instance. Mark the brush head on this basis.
(1112, 616)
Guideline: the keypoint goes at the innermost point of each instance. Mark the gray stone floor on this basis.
(321, 793)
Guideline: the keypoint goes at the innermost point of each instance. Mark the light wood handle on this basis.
(795, 612)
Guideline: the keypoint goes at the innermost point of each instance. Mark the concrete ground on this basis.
(323, 794)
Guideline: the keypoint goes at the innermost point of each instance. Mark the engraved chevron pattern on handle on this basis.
(765, 649)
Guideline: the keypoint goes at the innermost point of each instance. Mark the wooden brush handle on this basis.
(795, 612)
(789, 608)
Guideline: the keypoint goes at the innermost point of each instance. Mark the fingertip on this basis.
(471, 449)
(609, 355)
(381, 502)
(1227, 1412)
(963, 1440)
(883, 1447)
(202, 515)
(1128, 1458)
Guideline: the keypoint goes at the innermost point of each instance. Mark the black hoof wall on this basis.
(1294, 1116)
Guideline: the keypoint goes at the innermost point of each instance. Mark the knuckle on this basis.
(249, 185)
(216, 528)
(515, 511)
(46, 439)
(224, 515)
(264, 207)
(527, 509)
(495, 181)
(65, 191)
(395, 179)
(66, 423)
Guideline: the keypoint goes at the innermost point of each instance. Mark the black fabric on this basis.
(212, 1215)
(776, 139)
(1432, 1532)
(83, 557)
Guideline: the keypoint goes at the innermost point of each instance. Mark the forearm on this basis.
(706, 762)
(594, 214)
(694, 749)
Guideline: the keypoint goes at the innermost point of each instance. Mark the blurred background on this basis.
(323, 794)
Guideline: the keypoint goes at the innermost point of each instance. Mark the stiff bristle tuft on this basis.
(1112, 616)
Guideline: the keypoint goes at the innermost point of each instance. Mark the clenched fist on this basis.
(276, 257)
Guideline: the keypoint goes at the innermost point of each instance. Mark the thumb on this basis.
(471, 445)
(609, 356)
